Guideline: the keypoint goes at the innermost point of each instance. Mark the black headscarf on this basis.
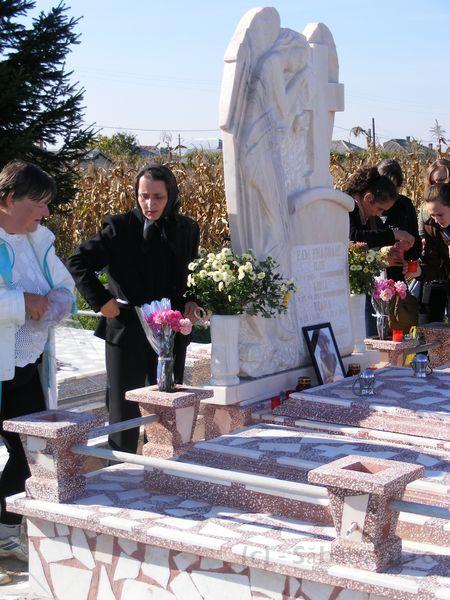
(158, 172)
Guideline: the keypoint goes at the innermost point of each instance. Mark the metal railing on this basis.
(302, 491)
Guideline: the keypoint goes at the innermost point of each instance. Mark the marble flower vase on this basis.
(360, 490)
(171, 434)
(225, 349)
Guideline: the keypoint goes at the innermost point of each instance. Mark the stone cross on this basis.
(280, 90)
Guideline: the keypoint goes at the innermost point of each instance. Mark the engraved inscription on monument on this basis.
(321, 276)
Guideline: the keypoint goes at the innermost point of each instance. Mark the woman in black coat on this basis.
(373, 195)
(145, 253)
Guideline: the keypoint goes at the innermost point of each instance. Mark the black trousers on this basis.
(130, 366)
(22, 395)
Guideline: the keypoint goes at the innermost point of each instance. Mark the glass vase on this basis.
(164, 374)
(384, 331)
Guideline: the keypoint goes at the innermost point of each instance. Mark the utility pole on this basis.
(373, 134)
(179, 147)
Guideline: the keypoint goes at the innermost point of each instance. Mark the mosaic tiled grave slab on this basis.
(402, 404)
(119, 542)
(287, 453)
(265, 415)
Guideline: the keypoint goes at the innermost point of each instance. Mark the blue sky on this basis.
(157, 64)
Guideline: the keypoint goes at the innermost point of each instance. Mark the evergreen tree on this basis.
(41, 110)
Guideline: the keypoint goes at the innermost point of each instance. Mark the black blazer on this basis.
(138, 270)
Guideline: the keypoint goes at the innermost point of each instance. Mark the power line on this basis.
(156, 130)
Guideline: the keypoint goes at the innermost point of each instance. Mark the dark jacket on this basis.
(402, 215)
(139, 270)
(435, 261)
(374, 233)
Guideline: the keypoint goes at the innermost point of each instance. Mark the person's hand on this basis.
(111, 309)
(395, 256)
(35, 305)
(189, 311)
(410, 275)
(404, 236)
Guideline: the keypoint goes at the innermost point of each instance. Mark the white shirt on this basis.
(32, 336)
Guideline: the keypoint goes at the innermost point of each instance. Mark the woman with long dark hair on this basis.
(373, 195)
(145, 253)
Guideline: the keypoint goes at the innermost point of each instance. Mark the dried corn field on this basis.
(202, 194)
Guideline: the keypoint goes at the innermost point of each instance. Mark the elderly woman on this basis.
(145, 253)
(36, 291)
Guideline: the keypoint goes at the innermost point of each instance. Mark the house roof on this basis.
(94, 154)
(344, 147)
(405, 145)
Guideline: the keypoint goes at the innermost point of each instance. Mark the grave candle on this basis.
(397, 335)
(413, 265)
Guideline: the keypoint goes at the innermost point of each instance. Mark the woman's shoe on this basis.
(4, 578)
(14, 546)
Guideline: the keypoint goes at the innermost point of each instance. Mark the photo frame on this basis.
(324, 352)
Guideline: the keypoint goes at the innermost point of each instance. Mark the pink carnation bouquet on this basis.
(385, 291)
(161, 323)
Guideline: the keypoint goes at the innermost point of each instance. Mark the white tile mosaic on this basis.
(264, 540)
(265, 582)
(70, 583)
(193, 504)
(128, 546)
(178, 523)
(35, 444)
(134, 590)
(178, 512)
(210, 564)
(222, 586)
(56, 549)
(100, 499)
(318, 591)
(156, 565)
(126, 568)
(62, 529)
(104, 586)
(40, 528)
(183, 587)
(218, 530)
(80, 548)
(118, 523)
(184, 418)
(103, 548)
(186, 537)
(38, 582)
(183, 560)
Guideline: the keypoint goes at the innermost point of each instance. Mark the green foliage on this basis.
(119, 146)
(364, 266)
(39, 106)
(228, 284)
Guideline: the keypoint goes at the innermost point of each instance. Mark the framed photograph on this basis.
(324, 353)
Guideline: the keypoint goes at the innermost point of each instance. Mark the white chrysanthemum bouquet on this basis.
(229, 284)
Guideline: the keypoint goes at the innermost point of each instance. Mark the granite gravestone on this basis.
(280, 91)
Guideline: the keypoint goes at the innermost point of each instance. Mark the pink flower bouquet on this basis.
(384, 294)
(161, 323)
